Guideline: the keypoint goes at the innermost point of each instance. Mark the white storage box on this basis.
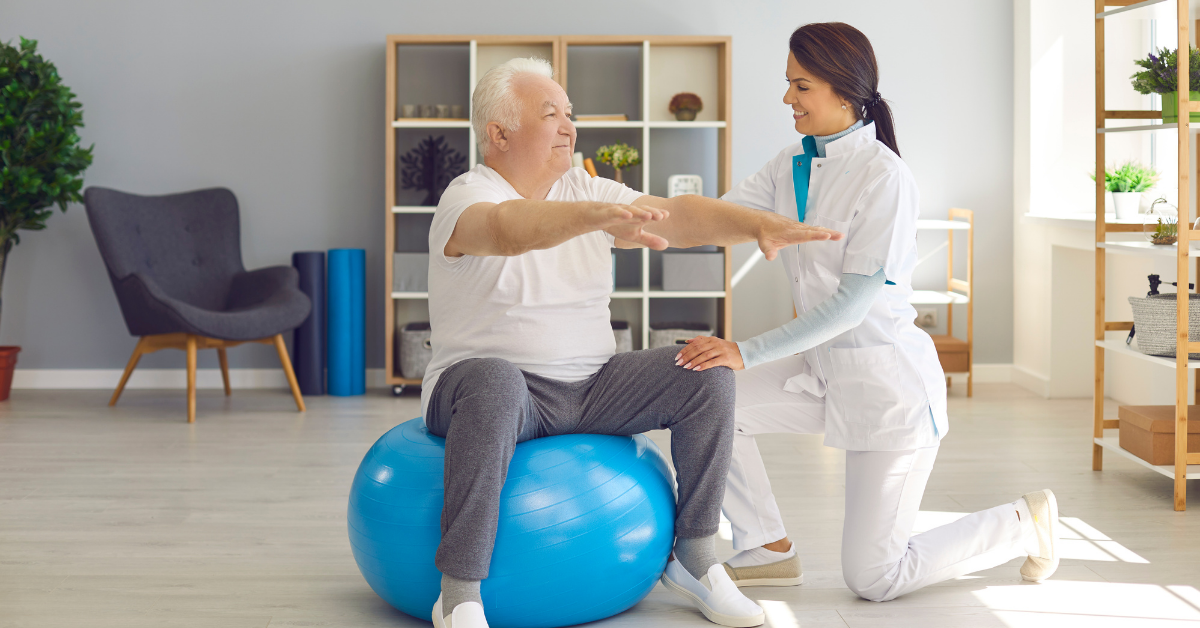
(693, 271)
(410, 272)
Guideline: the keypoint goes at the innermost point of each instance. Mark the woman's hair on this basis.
(841, 55)
(494, 100)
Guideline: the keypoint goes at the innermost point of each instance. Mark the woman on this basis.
(853, 364)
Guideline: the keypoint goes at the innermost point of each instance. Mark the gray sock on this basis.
(696, 555)
(455, 592)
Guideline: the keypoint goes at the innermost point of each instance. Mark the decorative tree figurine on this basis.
(685, 106)
(430, 167)
(619, 156)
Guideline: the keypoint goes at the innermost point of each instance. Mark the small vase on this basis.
(617, 177)
(685, 115)
(1170, 107)
(8, 362)
(1126, 204)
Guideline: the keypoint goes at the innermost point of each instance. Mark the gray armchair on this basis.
(175, 262)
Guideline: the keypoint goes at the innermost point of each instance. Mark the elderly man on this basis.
(519, 288)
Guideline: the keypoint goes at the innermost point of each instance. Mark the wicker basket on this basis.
(1154, 320)
(415, 351)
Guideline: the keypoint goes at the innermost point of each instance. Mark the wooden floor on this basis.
(130, 517)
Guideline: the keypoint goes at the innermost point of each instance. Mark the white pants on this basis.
(880, 558)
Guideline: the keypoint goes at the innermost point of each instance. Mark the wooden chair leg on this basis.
(133, 362)
(224, 368)
(191, 378)
(281, 348)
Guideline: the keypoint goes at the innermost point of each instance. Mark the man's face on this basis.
(546, 135)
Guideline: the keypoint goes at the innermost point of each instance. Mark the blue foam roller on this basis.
(586, 525)
(347, 367)
(308, 340)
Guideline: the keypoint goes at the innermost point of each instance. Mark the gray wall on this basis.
(282, 103)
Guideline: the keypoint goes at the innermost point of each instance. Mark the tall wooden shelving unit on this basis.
(1182, 252)
(670, 63)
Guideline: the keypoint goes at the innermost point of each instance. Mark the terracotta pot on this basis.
(8, 362)
(685, 115)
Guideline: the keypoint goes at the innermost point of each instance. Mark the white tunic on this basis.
(882, 380)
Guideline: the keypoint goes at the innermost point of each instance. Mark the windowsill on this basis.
(1083, 220)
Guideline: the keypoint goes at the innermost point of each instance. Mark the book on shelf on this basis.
(601, 117)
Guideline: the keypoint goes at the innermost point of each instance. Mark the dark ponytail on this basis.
(841, 55)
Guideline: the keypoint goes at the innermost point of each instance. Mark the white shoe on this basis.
(715, 595)
(465, 615)
(1044, 508)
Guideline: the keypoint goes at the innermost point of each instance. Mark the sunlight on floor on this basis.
(779, 614)
(1093, 604)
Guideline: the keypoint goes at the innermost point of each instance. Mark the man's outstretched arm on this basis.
(695, 220)
(519, 226)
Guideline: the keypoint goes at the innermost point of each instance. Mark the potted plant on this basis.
(1160, 77)
(619, 156)
(1126, 184)
(41, 162)
(685, 106)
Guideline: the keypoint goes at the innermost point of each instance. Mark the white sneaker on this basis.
(1044, 508)
(465, 615)
(715, 595)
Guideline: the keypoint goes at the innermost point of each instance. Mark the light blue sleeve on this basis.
(834, 316)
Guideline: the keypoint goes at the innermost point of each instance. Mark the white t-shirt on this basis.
(545, 311)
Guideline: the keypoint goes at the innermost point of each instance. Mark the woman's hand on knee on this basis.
(706, 352)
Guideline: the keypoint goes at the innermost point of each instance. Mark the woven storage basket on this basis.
(1154, 318)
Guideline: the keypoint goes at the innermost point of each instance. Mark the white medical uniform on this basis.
(877, 391)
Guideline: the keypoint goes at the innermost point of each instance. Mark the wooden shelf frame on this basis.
(1183, 252)
(559, 47)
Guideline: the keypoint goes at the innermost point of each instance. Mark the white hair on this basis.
(494, 100)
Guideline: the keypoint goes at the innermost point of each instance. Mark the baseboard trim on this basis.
(1032, 381)
(206, 379)
(159, 379)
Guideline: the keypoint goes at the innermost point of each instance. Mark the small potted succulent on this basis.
(1160, 77)
(620, 156)
(685, 106)
(41, 161)
(1165, 232)
(1126, 184)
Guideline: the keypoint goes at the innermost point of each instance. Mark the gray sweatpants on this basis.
(485, 406)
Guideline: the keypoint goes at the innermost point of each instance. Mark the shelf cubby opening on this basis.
(432, 74)
(605, 79)
(591, 139)
(628, 269)
(630, 311)
(684, 311)
(683, 151)
(407, 140)
(675, 69)
(488, 56)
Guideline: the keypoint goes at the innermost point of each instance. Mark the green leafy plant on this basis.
(620, 156)
(1160, 75)
(41, 162)
(1130, 176)
(1166, 232)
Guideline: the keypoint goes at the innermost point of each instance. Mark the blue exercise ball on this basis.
(586, 525)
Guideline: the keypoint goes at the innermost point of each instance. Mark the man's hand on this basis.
(706, 352)
(778, 232)
(626, 222)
